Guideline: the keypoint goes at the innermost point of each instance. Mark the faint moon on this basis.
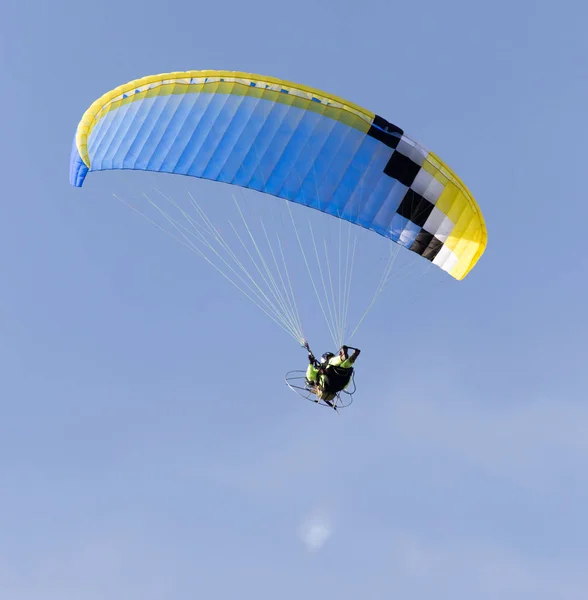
(314, 532)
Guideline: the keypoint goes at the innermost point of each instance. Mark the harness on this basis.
(335, 379)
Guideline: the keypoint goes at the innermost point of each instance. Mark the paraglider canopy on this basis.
(290, 141)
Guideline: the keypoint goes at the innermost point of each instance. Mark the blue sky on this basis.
(148, 445)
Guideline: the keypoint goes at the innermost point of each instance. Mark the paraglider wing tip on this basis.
(77, 168)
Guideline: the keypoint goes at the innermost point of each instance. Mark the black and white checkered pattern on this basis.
(418, 204)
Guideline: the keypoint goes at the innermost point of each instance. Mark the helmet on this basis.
(326, 357)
